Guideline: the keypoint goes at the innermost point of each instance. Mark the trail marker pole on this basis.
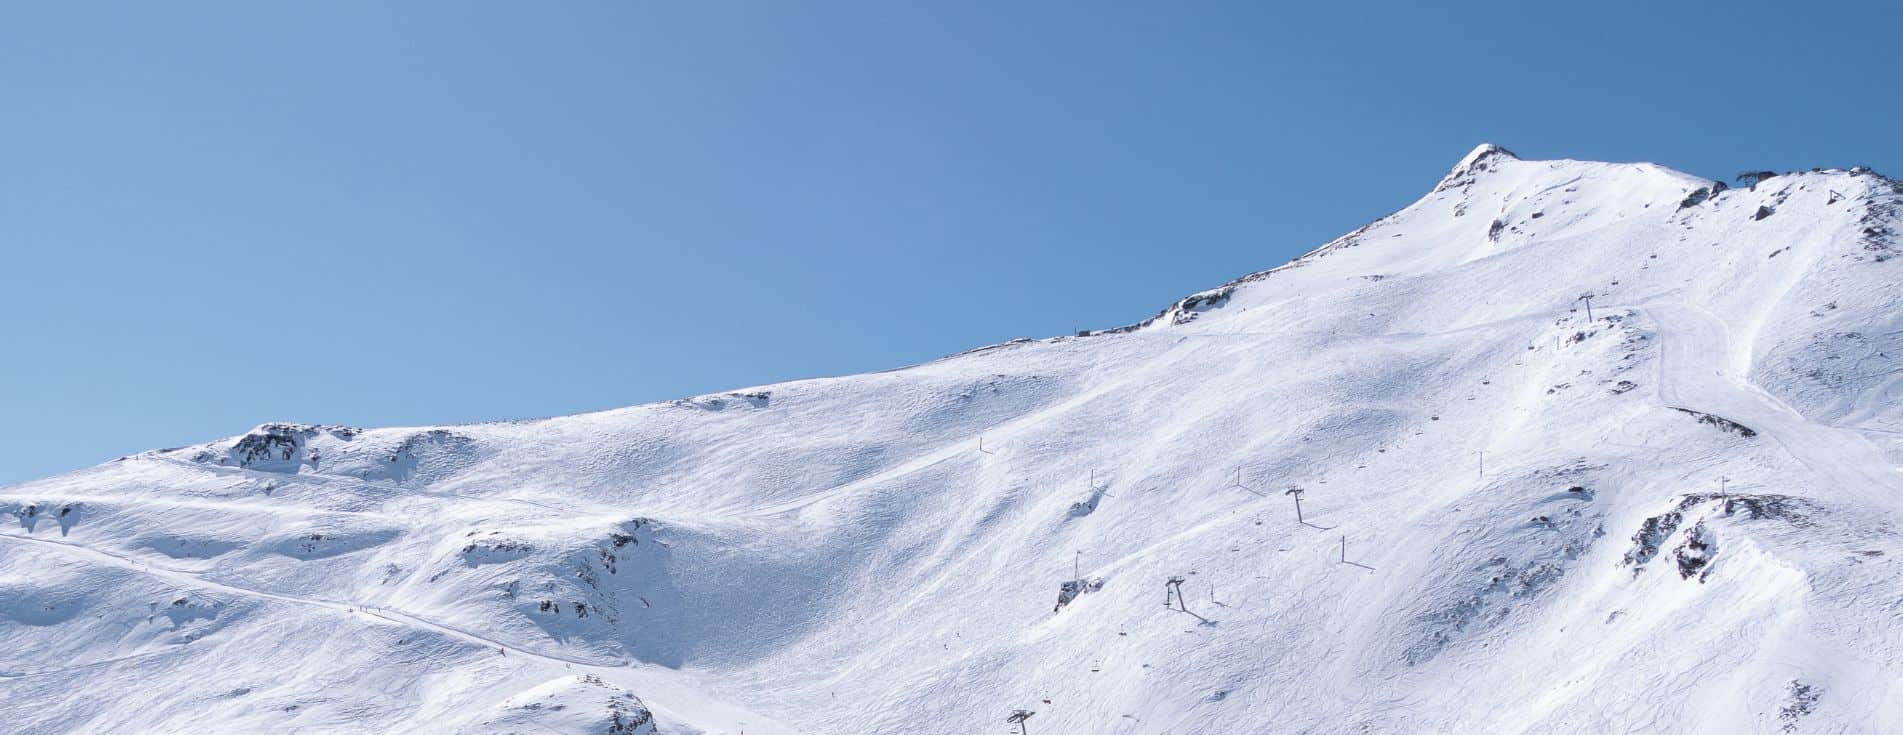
(1344, 556)
(1483, 464)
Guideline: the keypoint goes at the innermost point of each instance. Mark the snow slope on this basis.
(1677, 513)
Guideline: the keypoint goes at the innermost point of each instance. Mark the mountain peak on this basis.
(1482, 151)
(1482, 158)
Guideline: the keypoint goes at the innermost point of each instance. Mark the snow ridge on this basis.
(1564, 446)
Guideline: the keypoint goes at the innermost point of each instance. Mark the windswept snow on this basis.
(1674, 513)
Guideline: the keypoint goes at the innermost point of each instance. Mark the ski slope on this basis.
(1671, 507)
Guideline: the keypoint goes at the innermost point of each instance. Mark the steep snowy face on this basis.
(1563, 446)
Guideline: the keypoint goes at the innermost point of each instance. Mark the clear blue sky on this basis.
(214, 215)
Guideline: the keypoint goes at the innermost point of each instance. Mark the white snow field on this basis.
(1677, 513)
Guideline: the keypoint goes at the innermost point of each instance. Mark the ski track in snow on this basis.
(1843, 455)
(633, 676)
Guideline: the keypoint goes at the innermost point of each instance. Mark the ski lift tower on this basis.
(1017, 718)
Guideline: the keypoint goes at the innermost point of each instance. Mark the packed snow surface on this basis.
(1578, 448)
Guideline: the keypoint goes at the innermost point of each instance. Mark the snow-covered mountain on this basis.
(1581, 447)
